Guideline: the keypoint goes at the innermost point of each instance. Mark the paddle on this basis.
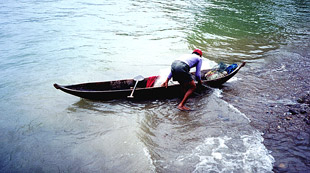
(137, 79)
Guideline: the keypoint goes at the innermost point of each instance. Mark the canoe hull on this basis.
(121, 89)
(140, 93)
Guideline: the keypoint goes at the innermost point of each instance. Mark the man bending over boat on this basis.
(180, 71)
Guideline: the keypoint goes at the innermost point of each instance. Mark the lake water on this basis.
(67, 42)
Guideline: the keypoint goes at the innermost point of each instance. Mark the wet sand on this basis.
(275, 95)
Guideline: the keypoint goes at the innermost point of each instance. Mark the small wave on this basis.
(234, 79)
(244, 154)
(148, 155)
(237, 110)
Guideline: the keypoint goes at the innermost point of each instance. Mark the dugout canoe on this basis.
(121, 89)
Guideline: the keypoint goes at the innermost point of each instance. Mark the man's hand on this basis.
(200, 87)
(199, 82)
(165, 84)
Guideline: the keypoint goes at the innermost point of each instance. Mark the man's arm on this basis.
(198, 72)
(165, 84)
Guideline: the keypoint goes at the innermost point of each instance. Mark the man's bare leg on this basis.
(192, 87)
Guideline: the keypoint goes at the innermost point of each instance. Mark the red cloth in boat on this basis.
(151, 81)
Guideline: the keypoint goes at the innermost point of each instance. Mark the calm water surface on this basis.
(43, 42)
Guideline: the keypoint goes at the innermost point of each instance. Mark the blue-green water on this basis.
(43, 42)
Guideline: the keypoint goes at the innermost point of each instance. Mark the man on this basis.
(180, 71)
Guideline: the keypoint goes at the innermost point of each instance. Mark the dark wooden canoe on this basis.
(120, 89)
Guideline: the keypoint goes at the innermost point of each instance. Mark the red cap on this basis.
(198, 51)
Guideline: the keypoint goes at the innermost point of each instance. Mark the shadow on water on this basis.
(124, 105)
(108, 107)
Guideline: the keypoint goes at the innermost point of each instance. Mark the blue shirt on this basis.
(192, 60)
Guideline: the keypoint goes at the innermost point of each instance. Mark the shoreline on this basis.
(275, 95)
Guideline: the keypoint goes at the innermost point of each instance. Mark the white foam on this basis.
(218, 93)
(215, 155)
(232, 150)
(237, 110)
(148, 155)
(234, 79)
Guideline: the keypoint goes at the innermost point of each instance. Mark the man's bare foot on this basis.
(183, 108)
